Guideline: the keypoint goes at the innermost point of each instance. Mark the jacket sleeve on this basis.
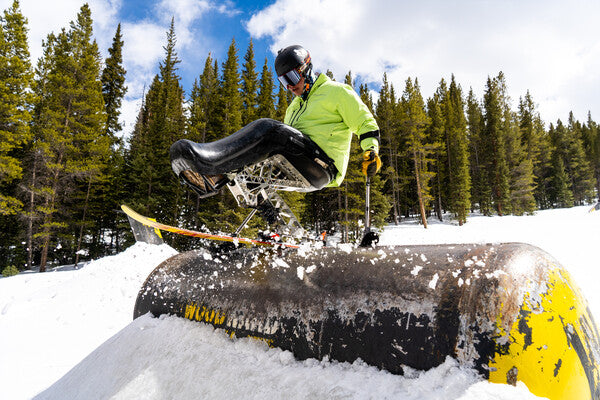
(358, 118)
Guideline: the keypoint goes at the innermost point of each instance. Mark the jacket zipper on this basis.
(298, 113)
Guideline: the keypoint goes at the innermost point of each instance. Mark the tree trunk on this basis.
(394, 194)
(419, 193)
(87, 198)
(346, 220)
(598, 184)
(47, 221)
(339, 205)
(30, 219)
(44, 257)
(438, 203)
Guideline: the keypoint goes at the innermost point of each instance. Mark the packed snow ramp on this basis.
(509, 310)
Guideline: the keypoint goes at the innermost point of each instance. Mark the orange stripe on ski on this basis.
(203, 235)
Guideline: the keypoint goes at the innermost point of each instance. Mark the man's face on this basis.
(297, 89)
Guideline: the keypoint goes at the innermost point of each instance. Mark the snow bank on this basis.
(172, 358)
(69, 334)
(50, 321)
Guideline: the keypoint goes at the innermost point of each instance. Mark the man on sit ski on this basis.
(315, 136)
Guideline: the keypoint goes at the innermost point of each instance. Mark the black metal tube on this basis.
(392, 306)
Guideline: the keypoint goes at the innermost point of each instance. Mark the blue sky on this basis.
(549, 47)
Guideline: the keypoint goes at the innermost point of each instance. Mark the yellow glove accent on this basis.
(371, 163)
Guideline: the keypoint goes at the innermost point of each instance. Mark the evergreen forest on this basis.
(66, 165)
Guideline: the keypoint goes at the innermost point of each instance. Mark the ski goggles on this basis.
(290, 78)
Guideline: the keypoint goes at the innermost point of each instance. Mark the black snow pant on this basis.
(254, 143)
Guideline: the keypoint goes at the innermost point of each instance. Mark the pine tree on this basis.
(166, 124)
(591, 140)
(16, 78)
(266, 103)
(535, 142)
(543, 168)
(113, 85)
(16, 101)
(435, 134)
(92, 137)
(380, 203)
(480, 189)
(366, 97)
(577, 165)
(161, 121)
(459, 180)
(389, 151)
(520, 165)
(282, 103)
(249, 86)
(559, 193)
(203, 104)
(138, 165)
(520, 168)
(530, 133)
(494, 150)
(36, 173)
(107, 193)
(413, 129)
(230, 99)
(71, 147)
(196, 122)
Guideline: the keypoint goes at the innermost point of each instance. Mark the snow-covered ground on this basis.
(68, 334)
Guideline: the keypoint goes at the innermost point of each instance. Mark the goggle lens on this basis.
(290, 78)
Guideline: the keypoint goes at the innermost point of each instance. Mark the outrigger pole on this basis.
(370, 237)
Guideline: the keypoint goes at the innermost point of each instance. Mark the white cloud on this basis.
(185, 13)
(143, 44)
(548, 47)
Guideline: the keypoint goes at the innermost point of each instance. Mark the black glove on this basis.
(371, 163)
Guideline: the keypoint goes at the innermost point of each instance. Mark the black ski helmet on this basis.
(292, 57)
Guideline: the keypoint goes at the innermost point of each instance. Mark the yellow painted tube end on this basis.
(553, 344)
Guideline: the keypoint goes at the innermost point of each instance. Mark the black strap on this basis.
(371, 134)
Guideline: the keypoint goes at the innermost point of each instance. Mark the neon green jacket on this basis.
(329, 116)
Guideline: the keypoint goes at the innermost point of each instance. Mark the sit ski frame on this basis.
(256, 186)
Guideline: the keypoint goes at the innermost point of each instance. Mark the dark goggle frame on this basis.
(290, 78)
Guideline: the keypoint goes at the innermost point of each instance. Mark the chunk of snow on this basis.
(416, 269)
(280, 262)
(433, 281)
